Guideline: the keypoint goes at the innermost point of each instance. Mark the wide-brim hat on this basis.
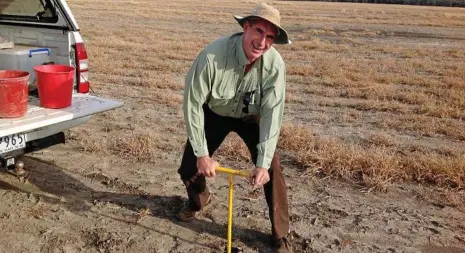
(270, 14)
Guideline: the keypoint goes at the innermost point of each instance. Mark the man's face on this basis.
(258, 38)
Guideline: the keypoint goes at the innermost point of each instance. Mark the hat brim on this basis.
(281, 38)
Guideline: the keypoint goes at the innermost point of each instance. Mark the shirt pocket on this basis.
(254, 107)
(223, 92)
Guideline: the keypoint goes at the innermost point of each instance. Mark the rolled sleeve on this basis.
(271, 112)
(196, 91)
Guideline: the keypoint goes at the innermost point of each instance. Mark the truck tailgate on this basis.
(37, 117)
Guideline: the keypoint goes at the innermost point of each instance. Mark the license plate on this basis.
(12, 142)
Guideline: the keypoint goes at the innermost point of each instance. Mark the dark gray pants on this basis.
(216, 129)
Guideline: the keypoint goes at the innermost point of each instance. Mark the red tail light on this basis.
(82, 68)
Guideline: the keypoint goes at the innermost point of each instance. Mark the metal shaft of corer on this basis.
(231, 173)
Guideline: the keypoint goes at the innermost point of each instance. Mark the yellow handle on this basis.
(234, 172)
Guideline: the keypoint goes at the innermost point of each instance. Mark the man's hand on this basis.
(259, 177)
(206, 166)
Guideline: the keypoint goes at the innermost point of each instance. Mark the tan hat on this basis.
(270, 14)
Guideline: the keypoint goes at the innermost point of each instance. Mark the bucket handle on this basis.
(45, 63)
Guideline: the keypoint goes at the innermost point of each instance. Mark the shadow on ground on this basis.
(56, 186)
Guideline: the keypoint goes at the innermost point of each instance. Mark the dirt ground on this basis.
(106, 203)
(103, 191)
(110, 205)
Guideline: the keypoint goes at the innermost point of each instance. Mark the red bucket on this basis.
(55, 85)
(13, 93)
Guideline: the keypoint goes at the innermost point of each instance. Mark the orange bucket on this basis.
(55, 85)
(13, 93)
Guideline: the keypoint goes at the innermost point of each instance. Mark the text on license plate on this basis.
(12, 142)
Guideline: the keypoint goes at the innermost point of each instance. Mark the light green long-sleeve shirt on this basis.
(217, 77)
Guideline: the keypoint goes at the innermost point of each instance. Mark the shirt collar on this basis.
(240, 55)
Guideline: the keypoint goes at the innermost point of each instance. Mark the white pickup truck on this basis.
(36, 32)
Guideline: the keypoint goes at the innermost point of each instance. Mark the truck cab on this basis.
(38, 32)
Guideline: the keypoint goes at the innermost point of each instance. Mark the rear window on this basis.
(28, 10)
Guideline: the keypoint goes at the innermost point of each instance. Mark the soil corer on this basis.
(231, 173)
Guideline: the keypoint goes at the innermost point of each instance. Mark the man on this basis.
(237, 83)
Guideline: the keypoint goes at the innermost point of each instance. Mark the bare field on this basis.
(354, 71)
(373, 143)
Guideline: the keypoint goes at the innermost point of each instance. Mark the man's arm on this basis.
(196, 90)
(271, 112)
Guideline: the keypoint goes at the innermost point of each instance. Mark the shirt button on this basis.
(221, 96)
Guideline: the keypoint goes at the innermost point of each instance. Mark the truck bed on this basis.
(38, 117)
